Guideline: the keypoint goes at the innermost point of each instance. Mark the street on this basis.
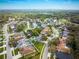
(45, 53)
(8, 49)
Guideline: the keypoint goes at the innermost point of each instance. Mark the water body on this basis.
(62, 55)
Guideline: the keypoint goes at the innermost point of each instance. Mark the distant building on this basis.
(34, 24)
(24, 45)
(46, 31)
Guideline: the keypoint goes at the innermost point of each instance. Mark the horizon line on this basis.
(39, 9)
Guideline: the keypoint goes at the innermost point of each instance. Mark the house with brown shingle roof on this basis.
(27, 50)
(62, 46)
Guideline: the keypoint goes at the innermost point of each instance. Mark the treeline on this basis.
(72, 15)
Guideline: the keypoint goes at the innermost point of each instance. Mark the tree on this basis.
(36, 31)
(21, 26)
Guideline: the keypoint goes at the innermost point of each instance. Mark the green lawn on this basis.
(1, 49)
(16, 51)
(1, 43)
(38, 45)
(1, 56)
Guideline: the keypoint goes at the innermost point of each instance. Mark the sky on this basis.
(40, 4)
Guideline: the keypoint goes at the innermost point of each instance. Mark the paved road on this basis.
(45, 53)
(8, 49)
